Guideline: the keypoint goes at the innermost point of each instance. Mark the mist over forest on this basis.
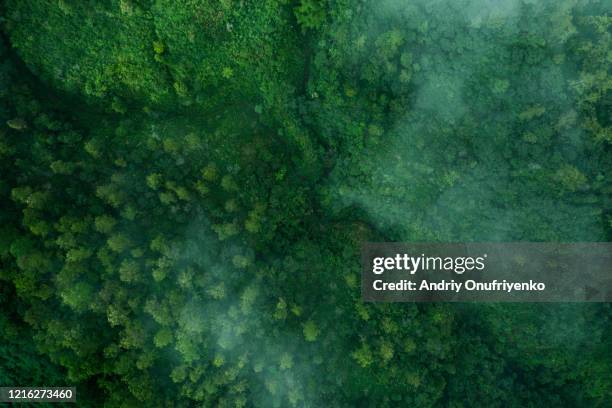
(185, 187)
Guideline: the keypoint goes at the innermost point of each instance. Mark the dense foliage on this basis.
(186, 184)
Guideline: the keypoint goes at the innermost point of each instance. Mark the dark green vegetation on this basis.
(185, 185)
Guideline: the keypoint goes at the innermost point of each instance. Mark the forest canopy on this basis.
(185, 187)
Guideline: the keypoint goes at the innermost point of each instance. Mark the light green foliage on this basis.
(311, 13)
(311, 331)
(105, 223)
(363, 355)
